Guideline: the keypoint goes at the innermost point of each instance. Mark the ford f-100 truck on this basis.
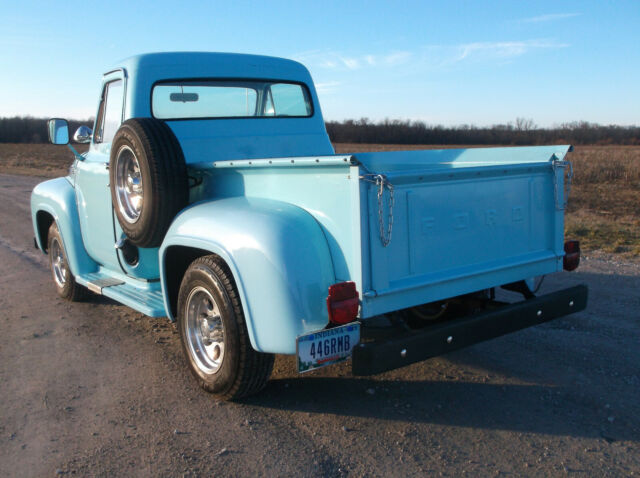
(212, 195)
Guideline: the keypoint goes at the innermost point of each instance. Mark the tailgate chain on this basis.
(381, 182)
(560, 165)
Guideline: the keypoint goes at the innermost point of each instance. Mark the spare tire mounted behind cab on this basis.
(148, 179)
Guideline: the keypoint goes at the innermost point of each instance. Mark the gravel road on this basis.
(97, 389)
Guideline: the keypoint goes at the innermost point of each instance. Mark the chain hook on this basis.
(560, 165)
(382, 183)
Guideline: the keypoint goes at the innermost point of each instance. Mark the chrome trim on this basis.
(204, 330)
(83, 134)
(58, 263)
(128, 188)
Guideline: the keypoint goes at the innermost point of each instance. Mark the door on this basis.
(92, 176)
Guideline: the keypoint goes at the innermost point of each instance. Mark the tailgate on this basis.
(462, 221)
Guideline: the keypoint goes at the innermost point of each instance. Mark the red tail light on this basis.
(342, 303)
(571, 255)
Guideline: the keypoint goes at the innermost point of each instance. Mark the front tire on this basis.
(214, 334)
(63, 279)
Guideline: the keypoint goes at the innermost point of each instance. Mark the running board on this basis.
(145, 297)
(96, 285)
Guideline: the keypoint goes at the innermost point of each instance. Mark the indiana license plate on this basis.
(326, 347)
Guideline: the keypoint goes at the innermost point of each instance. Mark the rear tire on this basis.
(63, 279)
(214, 334)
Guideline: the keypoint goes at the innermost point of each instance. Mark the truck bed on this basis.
(463, 219)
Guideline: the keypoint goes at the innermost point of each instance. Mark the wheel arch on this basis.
(55, 200)
(176, 261)
(277, 254)
(43, 221)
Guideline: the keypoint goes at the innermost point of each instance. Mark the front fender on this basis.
(57, 198)
(278, 256)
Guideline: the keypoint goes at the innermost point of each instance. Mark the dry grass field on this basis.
(604, 207)
(45, 160)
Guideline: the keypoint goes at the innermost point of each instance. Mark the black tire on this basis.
(63, 279)
(242, 371)
(163, 174)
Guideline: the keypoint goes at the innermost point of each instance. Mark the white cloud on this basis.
(329, 64)
(337, 60)
(550, 17)
(501, 50)
(397, 58)
(327, 87)
(351, 63)
(432, 57)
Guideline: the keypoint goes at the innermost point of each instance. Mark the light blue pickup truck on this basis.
(212, 195)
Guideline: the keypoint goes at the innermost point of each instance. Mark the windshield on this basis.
(191, 99)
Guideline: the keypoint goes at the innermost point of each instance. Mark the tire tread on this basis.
(253, 368)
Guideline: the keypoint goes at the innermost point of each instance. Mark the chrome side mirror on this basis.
(58, 131)
(83, 135)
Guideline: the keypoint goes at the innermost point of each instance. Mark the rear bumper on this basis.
(397, 349)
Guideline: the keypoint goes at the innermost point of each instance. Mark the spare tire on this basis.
(148, 178)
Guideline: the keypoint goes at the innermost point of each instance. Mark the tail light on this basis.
(571, 255)
(342, 303)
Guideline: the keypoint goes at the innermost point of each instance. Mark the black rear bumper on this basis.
(399, 349)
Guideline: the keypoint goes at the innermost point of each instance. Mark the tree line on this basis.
(522, 131)
(26, 129)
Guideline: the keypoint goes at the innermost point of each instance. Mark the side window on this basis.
(110, 113)
(289, 100)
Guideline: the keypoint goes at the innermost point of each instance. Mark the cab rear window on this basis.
(200, 99)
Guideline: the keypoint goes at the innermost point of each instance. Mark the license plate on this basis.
(326, 347)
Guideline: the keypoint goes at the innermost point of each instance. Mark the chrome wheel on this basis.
(204, 330)
(58, 263)
(129, 192)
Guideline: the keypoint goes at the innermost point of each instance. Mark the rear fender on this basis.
(56, 198)
(279, 259)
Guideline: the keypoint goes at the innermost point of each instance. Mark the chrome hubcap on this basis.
(58, 264)
(204, 330)
(129, 192)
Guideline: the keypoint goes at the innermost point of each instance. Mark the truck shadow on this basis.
(577, 376)
(529, 408)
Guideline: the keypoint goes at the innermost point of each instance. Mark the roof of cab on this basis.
(175, 65)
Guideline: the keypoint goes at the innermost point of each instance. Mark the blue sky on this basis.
(443, 62)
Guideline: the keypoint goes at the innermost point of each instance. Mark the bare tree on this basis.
(525, 124)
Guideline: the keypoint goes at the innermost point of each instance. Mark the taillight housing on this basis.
(342, 303)
(571, 255)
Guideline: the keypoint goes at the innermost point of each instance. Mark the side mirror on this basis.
(58, 131)
(83, 135)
